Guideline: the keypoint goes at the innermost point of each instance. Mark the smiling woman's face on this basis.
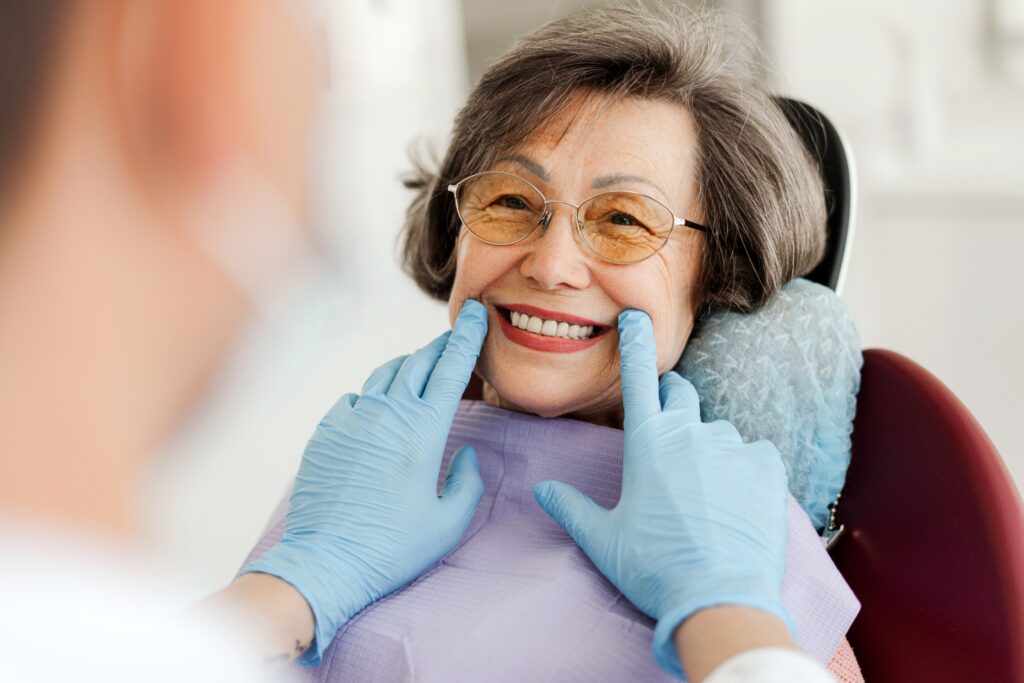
(597, 146)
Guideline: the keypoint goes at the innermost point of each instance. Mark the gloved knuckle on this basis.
(638, 356)
(723, 429)
(444, 389)
(765, 447)
(476, 487)
(674, 380)
(342, 407)
(459, 354)
(684, 387)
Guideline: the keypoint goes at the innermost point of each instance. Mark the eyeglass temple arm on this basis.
(690, 224)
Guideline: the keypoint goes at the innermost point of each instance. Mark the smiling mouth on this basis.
(551, 325)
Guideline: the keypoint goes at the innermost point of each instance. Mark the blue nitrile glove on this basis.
(364, 518)
(702, 516)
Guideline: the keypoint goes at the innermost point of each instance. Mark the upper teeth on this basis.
(551, 328)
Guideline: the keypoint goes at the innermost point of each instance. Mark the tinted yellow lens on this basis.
(499, 208)
(625, 227)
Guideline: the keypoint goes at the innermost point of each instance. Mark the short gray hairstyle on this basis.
(760, 190)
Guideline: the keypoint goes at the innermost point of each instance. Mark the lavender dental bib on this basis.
(517, 600)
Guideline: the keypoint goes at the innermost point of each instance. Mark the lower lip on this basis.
(542, 343)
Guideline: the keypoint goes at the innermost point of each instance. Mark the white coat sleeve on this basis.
(770, 665)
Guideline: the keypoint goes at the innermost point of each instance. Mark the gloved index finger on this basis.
(638, 361)
(450, 376)
(415, 371)
(679, 395)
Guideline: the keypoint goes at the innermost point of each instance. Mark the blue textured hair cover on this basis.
(789, 374)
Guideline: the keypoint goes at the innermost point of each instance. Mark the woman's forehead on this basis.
(606, 142)
(534, 171)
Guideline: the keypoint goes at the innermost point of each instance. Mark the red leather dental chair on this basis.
(932, 542)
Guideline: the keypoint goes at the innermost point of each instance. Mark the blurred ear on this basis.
(222, 82)
(172, 73)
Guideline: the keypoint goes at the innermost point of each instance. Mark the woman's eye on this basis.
(619, 219)
(512, 202)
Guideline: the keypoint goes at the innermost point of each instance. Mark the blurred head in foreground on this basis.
(153, 160)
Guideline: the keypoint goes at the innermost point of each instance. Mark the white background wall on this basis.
(930, 94)
(932, 98)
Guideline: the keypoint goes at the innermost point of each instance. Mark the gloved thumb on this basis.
(573, 510)
(462, 489)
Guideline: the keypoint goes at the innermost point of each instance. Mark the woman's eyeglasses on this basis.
(620, 227)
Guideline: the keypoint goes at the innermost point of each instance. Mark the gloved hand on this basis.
(702, 516)
(364, 517)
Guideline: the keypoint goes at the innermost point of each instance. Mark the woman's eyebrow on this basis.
(609, 180)
(529, 164)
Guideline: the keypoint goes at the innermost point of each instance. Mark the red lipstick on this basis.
(552, 315)
(540, 342)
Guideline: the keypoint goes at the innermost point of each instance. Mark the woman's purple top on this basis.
(517, 600)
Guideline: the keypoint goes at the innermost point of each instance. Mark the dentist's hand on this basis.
(702, 516)
(364, 517)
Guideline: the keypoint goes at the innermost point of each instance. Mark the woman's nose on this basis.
(554, 258)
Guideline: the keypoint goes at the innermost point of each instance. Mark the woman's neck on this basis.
(609, 417)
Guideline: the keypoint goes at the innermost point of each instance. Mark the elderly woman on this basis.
(612, 160)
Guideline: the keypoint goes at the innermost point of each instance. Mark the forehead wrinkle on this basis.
(604, 181)
(581, 118)
(642, 171)
(529, 164)
(578, 116)
(581, 106)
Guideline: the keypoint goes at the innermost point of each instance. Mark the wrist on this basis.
(282, 620)
(721, 585)
(323, 584)
(715, 635)
(740, 595)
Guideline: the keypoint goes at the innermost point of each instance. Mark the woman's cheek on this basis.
(455, 303)
(672, 328)
(670, 349)
(459, 291)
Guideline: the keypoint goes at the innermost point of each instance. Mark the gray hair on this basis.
(760, 190)
(29, 37)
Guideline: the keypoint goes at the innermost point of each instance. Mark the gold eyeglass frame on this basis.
(546, 213)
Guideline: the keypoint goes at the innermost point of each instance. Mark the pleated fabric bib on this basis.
(517, 600)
